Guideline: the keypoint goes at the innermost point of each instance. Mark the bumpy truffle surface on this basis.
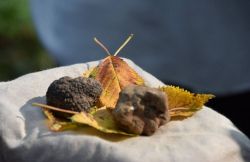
(141, 110)
(78, 94)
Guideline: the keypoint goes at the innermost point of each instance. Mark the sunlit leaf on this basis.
(182, 103)
(101, 120)
(98, 118)
(90, 73)
(114, 74)
(56, 124)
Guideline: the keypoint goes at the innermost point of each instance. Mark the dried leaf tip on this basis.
(101, 45)
(124, 44)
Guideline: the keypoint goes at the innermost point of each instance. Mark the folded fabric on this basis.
(24, 137)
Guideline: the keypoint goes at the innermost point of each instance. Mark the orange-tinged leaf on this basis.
(182, 103)
(114, 74)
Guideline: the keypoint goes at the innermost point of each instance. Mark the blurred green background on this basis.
(20, 49)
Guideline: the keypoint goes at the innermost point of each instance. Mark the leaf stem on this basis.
(53, 108)
(124, 44)
(102, 45)
(177, 109)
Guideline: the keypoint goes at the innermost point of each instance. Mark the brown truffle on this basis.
(141, 110)
(78, 94)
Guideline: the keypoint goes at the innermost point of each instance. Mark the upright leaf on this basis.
(114, 74)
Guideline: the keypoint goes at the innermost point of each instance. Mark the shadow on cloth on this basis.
(243, 143)
(35, 119)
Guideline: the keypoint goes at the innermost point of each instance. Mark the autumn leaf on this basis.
(101, 120)
(114, 74)
(90, 73)
(59, 124)
(54, 123)
(98, 118)
(182, 103)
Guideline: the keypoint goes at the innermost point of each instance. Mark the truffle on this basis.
(141, 110)
(78, 94)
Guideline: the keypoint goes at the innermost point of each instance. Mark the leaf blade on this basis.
(182, 103)
(114, 74)
(101, 120)
(57, 125)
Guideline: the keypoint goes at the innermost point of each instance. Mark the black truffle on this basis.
(141, 110)
(78, 94)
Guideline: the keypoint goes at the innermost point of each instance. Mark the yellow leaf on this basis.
(114, 74)
(90, 73)
(98, 118)
(56, 124)
(101, 120)
(183, 103)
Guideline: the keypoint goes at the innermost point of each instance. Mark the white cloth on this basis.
(24, 136)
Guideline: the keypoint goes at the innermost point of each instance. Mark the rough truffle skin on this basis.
(141, 110)
(78, 94)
